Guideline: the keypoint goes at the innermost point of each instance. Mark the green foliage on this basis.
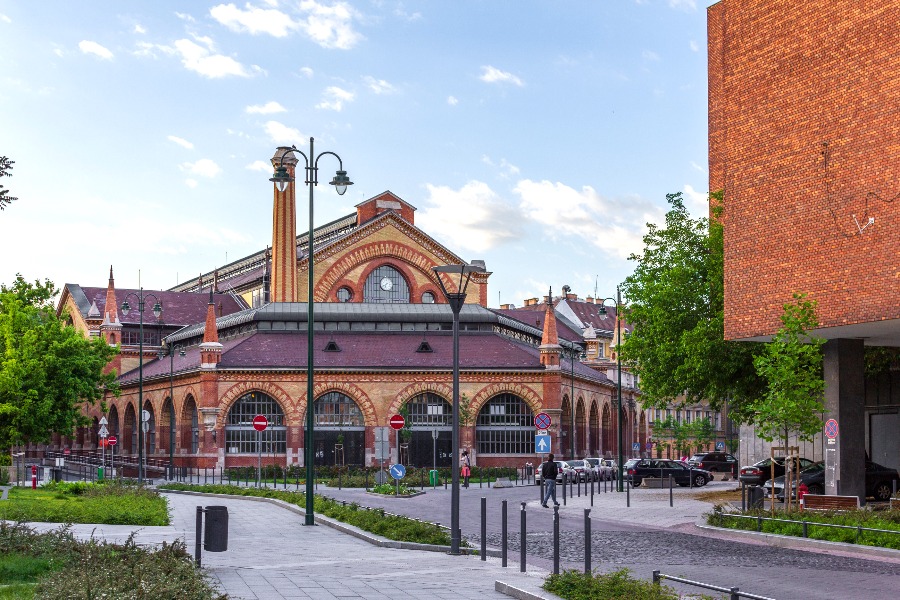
(6, 166)
(48, 370)
(792, 365)
(389, 489)
(789, 525)
(393, 527)
(878, 359)
(575, 585)
(676, 306)
(701, 432)
(80, 502)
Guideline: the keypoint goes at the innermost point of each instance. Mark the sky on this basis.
(540, 137)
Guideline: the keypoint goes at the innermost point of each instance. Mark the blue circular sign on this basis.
(397, 471)
(542, 421)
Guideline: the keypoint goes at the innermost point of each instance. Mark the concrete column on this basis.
(845, 403)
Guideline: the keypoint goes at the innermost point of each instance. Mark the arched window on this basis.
(338, 420)
(190, 438)
(386, 285)
(505, 425)
(344, 294)
(430, 423)
(427, 298)
(150, 435)
(242, 438)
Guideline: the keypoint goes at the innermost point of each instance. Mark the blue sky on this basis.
(540, 137)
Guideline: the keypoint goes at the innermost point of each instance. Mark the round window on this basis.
(427, 298)
(344, 294)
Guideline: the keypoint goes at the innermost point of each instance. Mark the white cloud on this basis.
(265, 109)
(254, 20)
(698, 167)
(615, 228)
(333, 98)
(474, 217)
(89, 47)
(203, 168)
(649, 55)
(200, 60)
(695, 46)
(683, 4)
(330, 26)
(506, 168)
(452, 101)
(281, 133)
(138, 28)
(306, 72)
(696, 202)
(5, 19)
(181, 142)
(401, 12)
(491, 74)
(191, 183)
(379, 86)
(185, 17)
(260, 165)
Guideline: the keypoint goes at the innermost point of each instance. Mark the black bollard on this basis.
(556, 540)
(503, 532)
(522, 540)
(627, 493)
(564, 489)
(587, 540)
(671, 497)
(743, 497)
(592, 491)
(483, 528)
(340, 478)
(691, 473)
(198, 534)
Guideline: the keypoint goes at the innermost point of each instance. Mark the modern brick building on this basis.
(804, 139)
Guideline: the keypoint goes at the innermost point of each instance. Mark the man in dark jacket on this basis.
(549, 471)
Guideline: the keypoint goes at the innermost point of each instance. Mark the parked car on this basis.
(602, 470)
(757, 473)
(582, 469)
(715, 462)
(612, 465)
(638, 469)
(879, 481)
(564, 471)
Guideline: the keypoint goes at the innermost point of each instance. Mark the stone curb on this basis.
(520, 594)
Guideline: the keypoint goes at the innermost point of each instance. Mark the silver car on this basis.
(602, 470)
(563, 471)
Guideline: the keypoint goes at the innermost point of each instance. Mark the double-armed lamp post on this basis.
(619, 419)
(282, 178)
(459, 276)
(170, 352)
(140, 296)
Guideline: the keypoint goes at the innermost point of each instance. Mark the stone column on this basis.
(845, 402)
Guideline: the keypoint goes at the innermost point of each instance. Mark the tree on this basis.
(6, 166)
(48, 370)
(792, 364)
(675, 303)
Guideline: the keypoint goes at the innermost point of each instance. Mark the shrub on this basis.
(575, 585)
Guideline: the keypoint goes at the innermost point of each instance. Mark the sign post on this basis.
(260, 422)
(104, 432)
(112, 441)
(832, 460)
(542, 440)
(398, 472)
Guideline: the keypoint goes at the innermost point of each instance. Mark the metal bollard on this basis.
(564, 489)
(340, 478)
(628, 493)
(691, 473)
(541, 491)
(503, 533)
(579, 485)
(483, 528)
(592, 491)
(743, 497)
(671, 497)
(522, 540)
(587, 540)
(556, 540)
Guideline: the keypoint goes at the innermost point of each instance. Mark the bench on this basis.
(823, 502)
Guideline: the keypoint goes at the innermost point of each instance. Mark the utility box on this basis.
(433, 479)
(215, 531)
(755, 496)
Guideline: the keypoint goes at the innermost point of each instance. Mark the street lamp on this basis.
(456, 300)
(602, 312)
(281, 178)
(170, 352)
(157, 310)
(582, 356)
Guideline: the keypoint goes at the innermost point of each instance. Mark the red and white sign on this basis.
(397, 422)
(104, 442)
(542, 421)
(260, 422)
(112, 440)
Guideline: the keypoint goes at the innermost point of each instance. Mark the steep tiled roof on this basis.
(179, 308)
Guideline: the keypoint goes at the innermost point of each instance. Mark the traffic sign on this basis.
(145, 415)
(104, 442)
(542, 444)
(831, 429)
(112, 440)
(103, 421)
(636, 446)
(104, 432)
(396, 421)
(398, 471)
(260, 422)
(720, 446)
(542, 421)
(145, 426)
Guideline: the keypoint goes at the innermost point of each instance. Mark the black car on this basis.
(757, 473)
(720, 462)
(879, 481)
(638, 469)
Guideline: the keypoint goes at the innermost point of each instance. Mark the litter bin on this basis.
(99, 473)
(529, 470)
(433, 478)
(755, 496)
(215, 530)
(56, 473)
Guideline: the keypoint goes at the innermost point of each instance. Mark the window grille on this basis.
(241, 437)
(336, 410)
(505, 425)
(386, 285)
(344, 294)
(427, 298)
(429, 410)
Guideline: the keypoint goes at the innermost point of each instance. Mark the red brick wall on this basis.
(784, 79)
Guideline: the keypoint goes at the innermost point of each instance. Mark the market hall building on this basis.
(233, 344)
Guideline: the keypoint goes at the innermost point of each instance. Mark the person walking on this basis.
(549, 471)
(466, 468)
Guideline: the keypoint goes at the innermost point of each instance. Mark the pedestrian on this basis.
(549, 471)
(466, 468)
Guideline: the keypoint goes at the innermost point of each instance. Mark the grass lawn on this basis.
(108, 503)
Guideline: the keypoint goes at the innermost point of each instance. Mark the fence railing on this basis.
(804, 524)
(735, 593)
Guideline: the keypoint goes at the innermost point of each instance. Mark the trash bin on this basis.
(99, 473)
(529, 470)
(433, 479)
(57, 474)
(755, 496)
(215, 530)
